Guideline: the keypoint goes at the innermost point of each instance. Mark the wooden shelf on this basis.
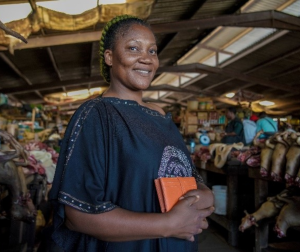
(20, 118)
(232, 170)
(232, 167)
(254, 172)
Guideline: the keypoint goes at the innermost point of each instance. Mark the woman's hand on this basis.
(186, 219)
(206, 196)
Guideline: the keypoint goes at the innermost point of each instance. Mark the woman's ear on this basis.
(108, 57)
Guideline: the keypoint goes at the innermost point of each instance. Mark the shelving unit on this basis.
(194, 119)
(232, 170)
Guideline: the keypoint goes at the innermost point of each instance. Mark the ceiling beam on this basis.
(274, 60)
(201, 68)
(214, 49)
(190, 14)
(286, 72)
(33, 5)
(246, 52)
(14, 68)
(53, 85)
(50, 53)
(264, 64)
(2, 2)
(263, 19)
(45, 41)
(39, 94)
(170, 88)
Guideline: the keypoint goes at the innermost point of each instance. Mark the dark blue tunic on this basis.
(112, 151)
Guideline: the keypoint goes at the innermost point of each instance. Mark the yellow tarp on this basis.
(45, 18)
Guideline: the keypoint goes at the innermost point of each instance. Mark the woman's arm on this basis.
(183, 221)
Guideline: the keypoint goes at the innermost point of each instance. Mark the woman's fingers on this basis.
(192, 238)
(203, 225)
(203, 213)
(191, 199)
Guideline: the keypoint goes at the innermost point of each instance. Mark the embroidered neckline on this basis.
(152, 112)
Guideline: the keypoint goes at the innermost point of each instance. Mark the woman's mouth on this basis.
(144, 72)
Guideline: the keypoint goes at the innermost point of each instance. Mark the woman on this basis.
(113, 149)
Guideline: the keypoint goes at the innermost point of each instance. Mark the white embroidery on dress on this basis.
(174, 163)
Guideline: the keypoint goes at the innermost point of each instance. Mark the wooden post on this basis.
(261, 232)
(232, 208)
(33, 119)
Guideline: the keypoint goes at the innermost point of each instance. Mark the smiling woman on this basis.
(130, 65)
(114, 148)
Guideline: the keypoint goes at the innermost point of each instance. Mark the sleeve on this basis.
(82, 182)
(196, 175)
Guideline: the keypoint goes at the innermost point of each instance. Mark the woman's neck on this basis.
(134, 96)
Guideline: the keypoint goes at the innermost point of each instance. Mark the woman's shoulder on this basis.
(88, 108)
(155, 107)
(90, 104)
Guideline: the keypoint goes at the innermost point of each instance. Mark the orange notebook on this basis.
(169, 190)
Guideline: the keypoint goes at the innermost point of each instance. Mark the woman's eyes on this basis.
(153, 52)
(135, 48)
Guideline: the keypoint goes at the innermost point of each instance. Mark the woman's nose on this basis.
(145, 57)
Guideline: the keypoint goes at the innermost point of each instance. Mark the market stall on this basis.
(29, 154)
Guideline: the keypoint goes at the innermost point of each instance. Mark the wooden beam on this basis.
(79, 37)
(265, 19)
(39, 94)
(201, 68)
(14, 68)
(53, 85)
(170, 88)
(33, 5)
(264, 64)
(214, 49)
(2, 2)
(53, 62)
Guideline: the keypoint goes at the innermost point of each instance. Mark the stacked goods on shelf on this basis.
(201, 114)
(190, 123)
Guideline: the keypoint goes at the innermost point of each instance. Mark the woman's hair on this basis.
(114, 28)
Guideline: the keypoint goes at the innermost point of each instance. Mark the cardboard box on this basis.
(192, 119)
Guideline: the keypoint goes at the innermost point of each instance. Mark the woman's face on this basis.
(134, 59)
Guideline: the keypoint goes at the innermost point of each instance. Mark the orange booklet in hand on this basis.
(169, 190)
